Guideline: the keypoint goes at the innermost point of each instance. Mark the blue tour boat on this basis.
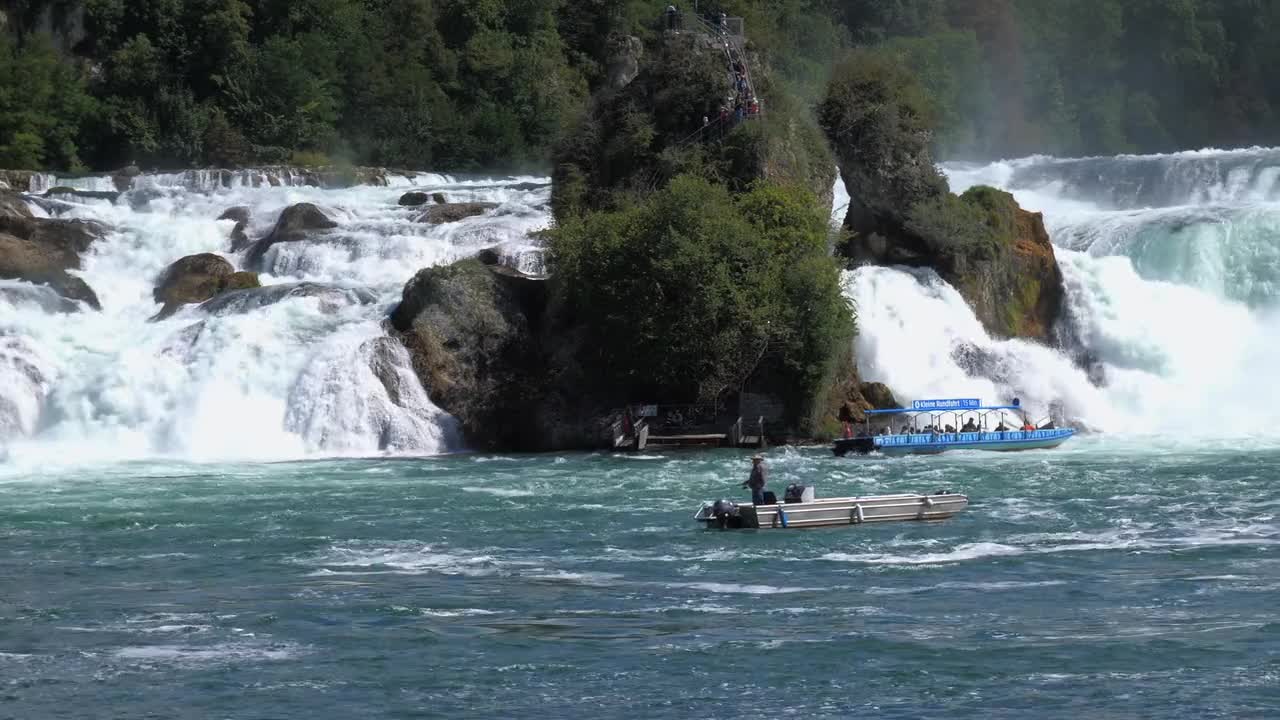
(973, 426)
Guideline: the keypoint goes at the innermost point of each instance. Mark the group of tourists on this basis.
(739, 104)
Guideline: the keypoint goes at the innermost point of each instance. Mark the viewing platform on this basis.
(641, 427)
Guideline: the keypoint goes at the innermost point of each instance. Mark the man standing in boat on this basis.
(757, 480)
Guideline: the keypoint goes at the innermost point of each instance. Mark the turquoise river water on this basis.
(1113, 578)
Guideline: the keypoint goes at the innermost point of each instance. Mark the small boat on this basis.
(801, 509)
(970, 429)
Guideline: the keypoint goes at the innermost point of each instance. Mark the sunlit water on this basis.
(1109, 579)
(1130, 574)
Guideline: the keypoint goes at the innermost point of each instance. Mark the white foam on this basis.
(736, 589)
(207, 655)
(283, 381)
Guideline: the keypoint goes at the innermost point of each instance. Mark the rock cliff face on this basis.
(997, 255)
(646, 127)
(472, 333)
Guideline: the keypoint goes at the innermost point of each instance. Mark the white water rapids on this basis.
(1171, 263)
(288, 379)
(1172, 271)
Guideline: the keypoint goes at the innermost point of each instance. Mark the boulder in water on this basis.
(297, 222)
(43, 251)
(68, 193)
(191, 279)
(123, 178)
(238, 213)
(332, 297)
(489, 256)
(12, 205)
(438, 198)
(414, 198)
(43, 296)
(470, 333)
(239, 238)
(453, 212)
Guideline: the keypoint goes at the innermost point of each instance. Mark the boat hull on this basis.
(829, 512)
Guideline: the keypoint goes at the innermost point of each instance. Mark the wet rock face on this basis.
(12, 205)
(297, 222)
(413, 199)
(42, 251)
(453, 212)
(239, 238)
(331, 297)
(197, 278)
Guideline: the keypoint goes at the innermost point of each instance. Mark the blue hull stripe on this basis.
(997, 441)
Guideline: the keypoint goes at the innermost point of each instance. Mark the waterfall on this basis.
(303, 371)
(1171, 265)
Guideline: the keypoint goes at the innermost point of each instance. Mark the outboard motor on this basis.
(726, 514)
(796, 493)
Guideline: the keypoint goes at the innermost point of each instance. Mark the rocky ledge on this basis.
(44, 251)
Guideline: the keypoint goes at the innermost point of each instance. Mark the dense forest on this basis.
(490, 84)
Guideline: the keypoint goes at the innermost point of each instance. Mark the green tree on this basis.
(683, 295)
(43, 106)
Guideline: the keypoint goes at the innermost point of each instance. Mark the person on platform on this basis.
(757, 480)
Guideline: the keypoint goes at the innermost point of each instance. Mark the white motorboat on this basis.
(801, 509)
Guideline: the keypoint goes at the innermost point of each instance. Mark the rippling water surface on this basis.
(1115, 579)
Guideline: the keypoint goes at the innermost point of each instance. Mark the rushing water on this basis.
(288, 379)
(148, 570)
(1110, 579)
(1170, 265)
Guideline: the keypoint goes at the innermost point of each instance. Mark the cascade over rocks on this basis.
(42, 251)
(297, 222)
(414, 198)
(471, 335)
(13, 205)
(66, 193)
(901, 212)
(332, 298)
(645, 129)
(453, 212)
(197, 278)
(239, 238)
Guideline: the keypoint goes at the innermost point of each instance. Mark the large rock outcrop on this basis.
(197, 278)
(13, 205)
(297, 222)
(901, 212)
(472, 335)
(330, 297)
(43, 251)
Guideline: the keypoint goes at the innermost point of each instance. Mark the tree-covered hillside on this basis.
(490, 84)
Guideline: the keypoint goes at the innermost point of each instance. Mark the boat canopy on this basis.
(918, 411)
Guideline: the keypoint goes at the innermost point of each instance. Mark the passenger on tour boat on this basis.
(969, 426)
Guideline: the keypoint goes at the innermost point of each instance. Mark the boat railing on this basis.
(969, 437)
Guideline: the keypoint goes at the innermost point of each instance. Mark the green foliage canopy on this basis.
(690, 289)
